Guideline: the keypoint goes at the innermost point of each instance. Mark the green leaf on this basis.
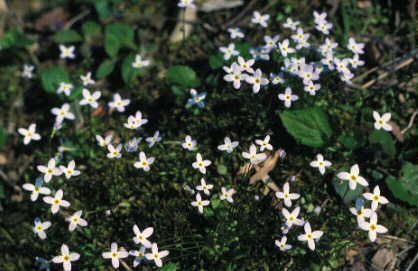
(222, 170)
(3, 138)
(14, 38)
(183, 75)
(118, 35)
(91, 29)
(344, 191)
(399, 191)
(105, 68)
(67, 36)
(216, 61)
(52, 77)
(103, 9)
(169, 267)
(308, 126)
(129, 73)
(384, 140)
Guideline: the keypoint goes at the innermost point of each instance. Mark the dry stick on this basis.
(241, 14)
(411, 264)
(76, 19)
(385, 74)
(411, 122)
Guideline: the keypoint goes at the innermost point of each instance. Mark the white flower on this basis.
(282, 244)
(67, 52)
(286, 195)
(228, 145)
(229, 51)
(118, 103)
(156, 255)
(312, 88)
(56, 201)
(63, 113)
(70, 170)
(66, 257)
(204, 187)
(76, 220)
(139, 256)
(276, 79)
(153, 139)
(342, 65)
(199, 203)
(226, 194)
(300, 36)
(320, 163)
(361, 213)
(49, 170)
(140, 63)
(292, 218)
(324, 27)
(257, 80)
(288, 97)
(90, 99)
(66, 88)
(271, 42)
(356, 48)
(115, 254)
(28, 71)
(114, 152)
(328, 47)
(29, 134)
(355, 61)
(310, 236)
(87, 80)
(260, 19)
(135, 121)
(264, 144)
(253, 156)
(141, 237)
(307, 73)
(235, 33)
(36, 190)
(144, 162)
(246, 65)
(319, 17)
(186, 4)
(103, 142)
(189, 143)
(291, 24)
(201, 164)
(40, 227)
(235, 76)
(382, 121)
(353, 177)
(376, 198)
(285, 49)
(372, 227)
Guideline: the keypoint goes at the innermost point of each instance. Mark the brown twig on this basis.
(411, 264)
(234, 20)
(411, 122)
(76, 19)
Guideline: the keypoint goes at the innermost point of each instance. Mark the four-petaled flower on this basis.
(70, 170)
(372, 227)
(36, 189)
(156, 255)
(320, 163)
(114, 254)
(253, 156)
(76, 220)
(189, 143)
(292, 217)
(282, 244)
(257, 80)
(141, 237)
(286, 195)
(139, 256)
(66, 88)
(310, 236)
(381, 122)
(261, 19)
(40, 227)
(226, 194)
(50, 170)
(288, 97)
(56, 201)
(375, 198)
(118, 103)
(228, 145)
(63, 113)
(353, 177)
(264, 144)
(205, 187)
(199, 203)
(90, 99)
(29, 134)
(140, 62)
(67, 52)
(201, 164)
(66, 257)
(144, 162)
(114, 152)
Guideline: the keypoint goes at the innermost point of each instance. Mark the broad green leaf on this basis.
(91, 28)
(14, 38)
(308, 126)
(118, 35)
(216, 61)
(384, 140)
(344, 191)
(169, 267)
(67, 36)
(183, 76)
(105, 68)
(222, 170)
(52, 77)
(129, 73)
(400, 191)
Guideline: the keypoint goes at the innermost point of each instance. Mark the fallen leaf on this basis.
(266, 167)
(52, 19)
(214, 5)
(184, 27)
(396, 131)
(384, 260)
